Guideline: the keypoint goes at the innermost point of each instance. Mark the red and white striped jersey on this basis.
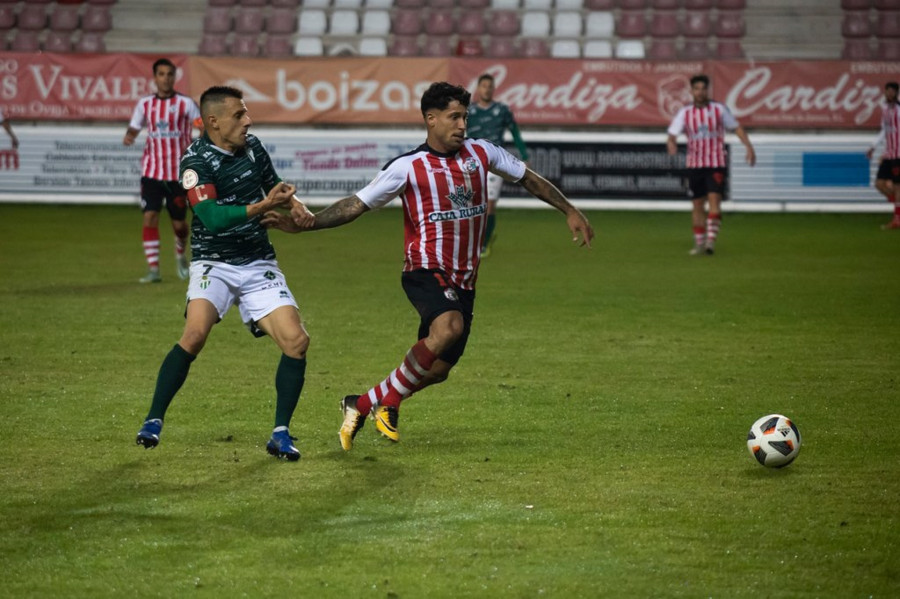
(890, 131)
(444, 204)
(169, 122)
(705, 128)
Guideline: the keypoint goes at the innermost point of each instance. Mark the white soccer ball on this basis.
(774, 441)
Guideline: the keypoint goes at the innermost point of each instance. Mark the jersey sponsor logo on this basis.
(189, 179)
(461, 196)
(456, 214)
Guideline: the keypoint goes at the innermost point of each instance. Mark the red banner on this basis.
(78, 87)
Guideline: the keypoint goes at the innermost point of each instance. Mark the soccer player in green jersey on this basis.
(490, 120)
(231, 183)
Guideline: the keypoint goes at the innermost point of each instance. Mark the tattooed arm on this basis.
(546, 191)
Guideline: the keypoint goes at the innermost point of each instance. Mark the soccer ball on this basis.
(774, 441)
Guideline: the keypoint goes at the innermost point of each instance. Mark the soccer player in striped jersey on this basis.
(169, 118)
(490, 120)
(705, 122)
(8, 128)
(231, 183)
(443, 186)
(887, 181)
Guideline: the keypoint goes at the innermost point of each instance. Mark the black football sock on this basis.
(289, 379)
(172, 373)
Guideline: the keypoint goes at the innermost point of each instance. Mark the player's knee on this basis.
(193, 340)
(296, 344)
(449, 330)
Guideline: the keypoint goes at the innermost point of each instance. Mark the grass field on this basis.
(591, 442)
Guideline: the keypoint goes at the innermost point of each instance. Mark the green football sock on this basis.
(489, 231)
(172, 373)
(289, 380)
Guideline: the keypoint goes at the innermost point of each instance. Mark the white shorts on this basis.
(494, 184)
(257, 289)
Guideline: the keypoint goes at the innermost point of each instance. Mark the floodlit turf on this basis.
(590, 444)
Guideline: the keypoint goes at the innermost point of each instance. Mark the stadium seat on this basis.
(376, 22)
(213, 45)
(569, 5)
(341, 49)
(597, 49)
(7, 17)
(599, 4)
(249, 21)
(887, 4)
(96, 18)
(537, 4)
(404, 46)
(565, 49)
(856, 49)
(64, 18)
(632, 4)
(379, 4)
(664, 23)
(665, 4)
(58, 41)
(856, 24)
(245, 45)
(281, 20)
(470, 23)
(662, 49)
(696, 49)
(91, 42)
(469, 47)
(505, 4)
(730, 24)
(698, 4)
(729, 49)
(887, 24)
(285, 3)
(567, 24)
(372, 46)
(311, 22)
(599, 25)
(501, 47)
(534, 47)
(278, 46)
(630, 49)
(253, 2)
(696, 24)
(318, 4)
(309, 46)
(432, 4)
(887, 50)
(733, 4)
(407, 22)
(436, 46)
(344, 22)
(25, 40)
(352, 4)
(476, 4)
(503, 23)
(440, 23)
(217, 20)
(535, 24)
(32, 17)
(631, 24)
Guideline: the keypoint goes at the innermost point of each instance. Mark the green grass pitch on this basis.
(591, 443)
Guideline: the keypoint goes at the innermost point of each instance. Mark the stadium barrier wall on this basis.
(798, 172)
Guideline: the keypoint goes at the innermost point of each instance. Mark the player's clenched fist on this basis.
(301, 215)
(281, 194)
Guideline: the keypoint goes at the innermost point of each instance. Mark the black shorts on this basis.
(889, 169)
(704, 181)
(431, 295)
(155, 192)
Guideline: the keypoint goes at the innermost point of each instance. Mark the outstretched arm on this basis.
(751, 154)
(544, 190)
(339, 213)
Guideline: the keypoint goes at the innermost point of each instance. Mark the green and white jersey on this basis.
(242, 178)
(490, 123)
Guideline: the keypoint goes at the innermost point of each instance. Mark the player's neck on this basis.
(485, 103)
(163, 96)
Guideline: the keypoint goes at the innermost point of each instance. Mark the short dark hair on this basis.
(701, 78)
(892, 85)
(440, 94)
(216, 94)
(486, 77)
(163, 62)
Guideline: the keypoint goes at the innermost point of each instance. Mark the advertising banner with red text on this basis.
(333, 91)
(78, 87)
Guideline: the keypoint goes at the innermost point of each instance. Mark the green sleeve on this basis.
(517, 138)
(218, 218)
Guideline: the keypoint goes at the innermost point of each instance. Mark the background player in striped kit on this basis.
(704, 122)
(490, 120)
(8, 128)
(169, 118)
(887, 181)
(443, 186)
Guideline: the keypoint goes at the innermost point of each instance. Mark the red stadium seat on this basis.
(730, 24)
(631, 4)
(441, 3)
(665, 4)
(698, 4)
(278, 46)
(7, 17)
(501, 47)
(245, 45)
(436, 46)
(695, 50)
(106, 2)
(60, 1)
(96, 18)
(281, 20)
(249, 21)
(32, 17)
(213, 45)
(631, 24)
(856, 24)
(474, 4)
(58, 41)
(696, 24)
(440, 22)
(856, 49)
(470, 23)
(217, 20)
(90, 43)
(469, 47)
(25, 40)
(887, 4)
(285, 3)
(664, 24)
(730, 49)
(888, 50)
(856, 4)
(253, 2)
(64, 17)
(731, 4)
(403, 46)
(887, 24)
(534, 47)
(409, 3)
(662, 49)
(503, 23)
(407, 22)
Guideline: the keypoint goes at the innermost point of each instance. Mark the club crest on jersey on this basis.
(461, 196)
(450, 294)
(189, 179)
(470, 165)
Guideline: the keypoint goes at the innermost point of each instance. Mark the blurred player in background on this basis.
(226, 172)
(490, 120)
(169, 117)
(705, 122)
(887, 181)
(12, 136)
(443, 186)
